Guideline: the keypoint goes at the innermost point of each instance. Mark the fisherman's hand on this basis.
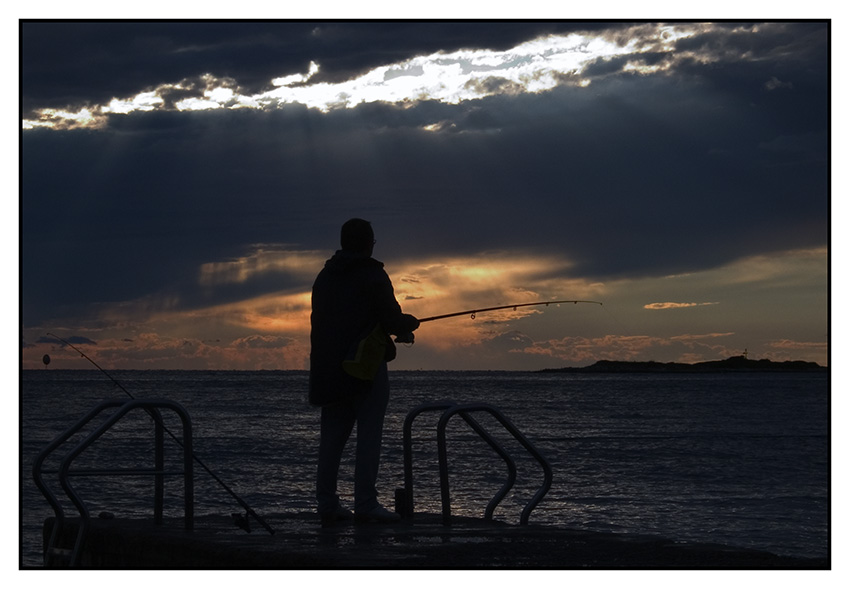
(411, 323)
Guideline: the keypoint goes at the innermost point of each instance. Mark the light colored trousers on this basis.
(337, 423)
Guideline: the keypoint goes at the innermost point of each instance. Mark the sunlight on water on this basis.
(735, 459)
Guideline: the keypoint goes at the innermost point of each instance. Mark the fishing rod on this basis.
(408, 338)
(241, 521)
(472, 312)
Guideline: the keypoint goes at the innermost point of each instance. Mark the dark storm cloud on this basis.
(800, 42)
(71, 64)
(632, 176)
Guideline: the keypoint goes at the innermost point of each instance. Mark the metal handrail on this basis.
(407, 497)
(444, 472)
(509, 482)
(450, 409)
(152, 407)
(37, 471)
(404, 502)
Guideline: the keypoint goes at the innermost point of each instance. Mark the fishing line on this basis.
(616, 320)
(240, 521)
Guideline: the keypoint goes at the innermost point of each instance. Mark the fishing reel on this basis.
(404, 338)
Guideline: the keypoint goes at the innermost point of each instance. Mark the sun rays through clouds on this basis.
(182, 183)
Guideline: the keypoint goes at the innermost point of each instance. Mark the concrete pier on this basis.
(300, 543)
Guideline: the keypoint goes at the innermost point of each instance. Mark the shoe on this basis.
(331, 518)
(379, 515)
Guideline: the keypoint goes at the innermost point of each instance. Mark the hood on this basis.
(342, 261)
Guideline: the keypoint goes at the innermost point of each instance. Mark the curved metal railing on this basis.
(52, 552)
(450, 409)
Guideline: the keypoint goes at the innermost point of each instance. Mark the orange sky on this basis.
(701, 316)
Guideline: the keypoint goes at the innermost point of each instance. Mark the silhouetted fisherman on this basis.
(354, 313)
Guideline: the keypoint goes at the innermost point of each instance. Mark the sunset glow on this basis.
(183, 183)
(542, 336)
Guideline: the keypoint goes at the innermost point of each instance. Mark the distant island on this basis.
(733, 364)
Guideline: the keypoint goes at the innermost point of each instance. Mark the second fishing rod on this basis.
(249, 512)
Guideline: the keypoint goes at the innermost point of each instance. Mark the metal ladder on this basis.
(404, 497)
(54, 555)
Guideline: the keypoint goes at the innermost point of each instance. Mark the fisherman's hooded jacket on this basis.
(351, 295)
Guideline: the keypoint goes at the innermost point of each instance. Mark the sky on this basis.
(182, 183)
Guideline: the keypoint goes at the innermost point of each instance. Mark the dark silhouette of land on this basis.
(733, 364)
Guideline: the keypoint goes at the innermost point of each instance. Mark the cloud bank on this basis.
(183, 182)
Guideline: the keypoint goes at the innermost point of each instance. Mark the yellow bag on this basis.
(367, 355)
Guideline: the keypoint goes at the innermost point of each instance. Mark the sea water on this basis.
(736, 459)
